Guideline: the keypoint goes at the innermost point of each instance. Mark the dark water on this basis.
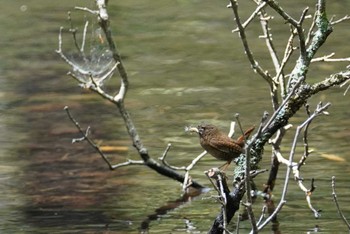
(185, 67)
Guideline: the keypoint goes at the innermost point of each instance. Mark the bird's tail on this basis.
(246, 135)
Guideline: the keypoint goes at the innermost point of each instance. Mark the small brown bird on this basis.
(218, 144)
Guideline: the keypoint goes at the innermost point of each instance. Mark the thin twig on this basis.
(128, 163)
(347, 17)
(327, 58)
(255, 65)
(301, 35)
(94, 12)
(73, 31)
(274, 5)
(264, 22)
(222, 189)
(305, 139)
(263, 211)
(311, 29)
(348, 88)
(248, 180)
(287, 54)
(84, 37)
(162, 159)
(291, 166)
(252, 16)
(87, 138)
(337, 203)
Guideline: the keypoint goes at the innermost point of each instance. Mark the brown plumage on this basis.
(219, 145)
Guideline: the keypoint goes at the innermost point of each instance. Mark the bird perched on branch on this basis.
(218, 144)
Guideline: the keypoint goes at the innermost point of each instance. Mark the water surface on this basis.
(185, 67)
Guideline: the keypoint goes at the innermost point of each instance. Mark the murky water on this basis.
(185, 67)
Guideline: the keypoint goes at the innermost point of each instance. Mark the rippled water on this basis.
(185, 67)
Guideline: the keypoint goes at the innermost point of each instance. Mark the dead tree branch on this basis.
(335, 198)
(94, 82)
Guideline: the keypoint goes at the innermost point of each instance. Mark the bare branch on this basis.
(128, 163)
(255, 66)
(311, 29)
(87, 138)
(264, 21)
(306, 142)
(301, 34)
(162, 159)
(347, 17)
(337, 204)
(84, 37)
(327, 58)
(73, 31)
(291, 165)
(287, 54)
(87, 10)
(263, 212)
(261, 6)
(274, 5)
(347, 89)
(223, 191)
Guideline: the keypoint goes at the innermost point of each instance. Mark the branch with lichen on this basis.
(293, 95)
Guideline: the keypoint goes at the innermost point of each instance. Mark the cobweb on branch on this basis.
(94, 64)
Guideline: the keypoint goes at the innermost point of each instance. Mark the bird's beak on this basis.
(191, 129)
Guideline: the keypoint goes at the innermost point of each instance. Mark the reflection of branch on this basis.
(169, 206)
(337, 204)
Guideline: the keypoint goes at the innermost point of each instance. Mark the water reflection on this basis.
(51, 186)
(171, 205)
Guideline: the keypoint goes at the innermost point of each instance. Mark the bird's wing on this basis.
(226, 146)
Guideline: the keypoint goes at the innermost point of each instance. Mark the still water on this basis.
(185, 67)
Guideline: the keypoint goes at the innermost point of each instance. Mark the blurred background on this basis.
(185, 68)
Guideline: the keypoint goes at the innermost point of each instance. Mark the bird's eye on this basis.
(201, 129)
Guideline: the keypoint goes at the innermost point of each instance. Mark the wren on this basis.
(218, 144)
